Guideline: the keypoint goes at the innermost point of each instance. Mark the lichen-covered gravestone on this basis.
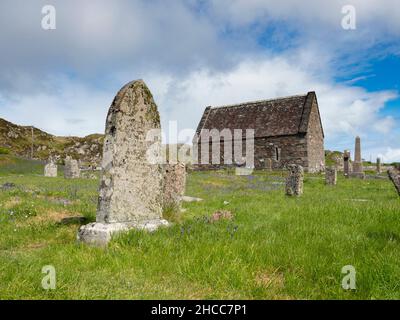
(294, 181)
(131, 183)
(394, 175)
(50, 169)
(331, 176)
(174, 185)
(71, 169)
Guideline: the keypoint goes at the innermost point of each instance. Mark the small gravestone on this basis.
(331, 176)
(132, 180)
(358, 170)
(378, 166)
(346, 163)
(174, 185)
(50, 169)
(394, 175)
(294, 181)
(268, 164)
(71, 169)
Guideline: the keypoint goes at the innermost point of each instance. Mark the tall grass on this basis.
(275, 247)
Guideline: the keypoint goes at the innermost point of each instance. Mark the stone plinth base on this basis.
(99, 234)
(243, 171)
(359, 175)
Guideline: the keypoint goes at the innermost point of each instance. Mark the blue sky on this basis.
(198, 53)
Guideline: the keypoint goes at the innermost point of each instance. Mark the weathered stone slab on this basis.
(242, 171)
(71, 169)
(394, 176)
(191, 199)
(295, 180)
(99, 234)
(174, 184)
(331, 176)
(50, 169)
(131, 188)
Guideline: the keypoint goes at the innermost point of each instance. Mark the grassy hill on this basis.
(17, 140)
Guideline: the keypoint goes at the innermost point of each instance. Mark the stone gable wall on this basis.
(315, 142)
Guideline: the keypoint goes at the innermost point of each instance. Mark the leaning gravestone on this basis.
(131, 185)
(50, 169)
(331, 176)
(394, 175)
(294, 181)
(174, 185)
(71, 169)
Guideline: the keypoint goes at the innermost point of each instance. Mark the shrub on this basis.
(4, 150)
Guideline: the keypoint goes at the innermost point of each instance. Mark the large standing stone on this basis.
(50, 169)
(294, 181)
(378, 166)
(358, 171)
(394, 175)
(174, 185)
(131, 188)
(346, 162)
(71, 169)
(331, 176)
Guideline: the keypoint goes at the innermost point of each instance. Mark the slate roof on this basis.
(276, 117)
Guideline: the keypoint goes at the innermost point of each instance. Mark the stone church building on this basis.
(286, 131)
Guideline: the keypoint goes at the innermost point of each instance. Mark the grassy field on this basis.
(275, 248)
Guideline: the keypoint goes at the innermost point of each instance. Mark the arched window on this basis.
(277, 154)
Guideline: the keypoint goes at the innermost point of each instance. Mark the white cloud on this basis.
(191, 54)
(384, 14)
(344, 109)
(390, 155)
(71, 109)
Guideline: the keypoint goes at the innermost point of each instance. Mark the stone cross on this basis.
(346, 162)
(294, 181)
(50, 169)
(331, 176)
(358, 171)
(394, 175)
(174, 185)
(378, 166)
(71, 169)
(131, 188)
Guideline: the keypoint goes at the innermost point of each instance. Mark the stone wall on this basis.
(174, 185)
(277, 151)
(315, 142)
(394, 176)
